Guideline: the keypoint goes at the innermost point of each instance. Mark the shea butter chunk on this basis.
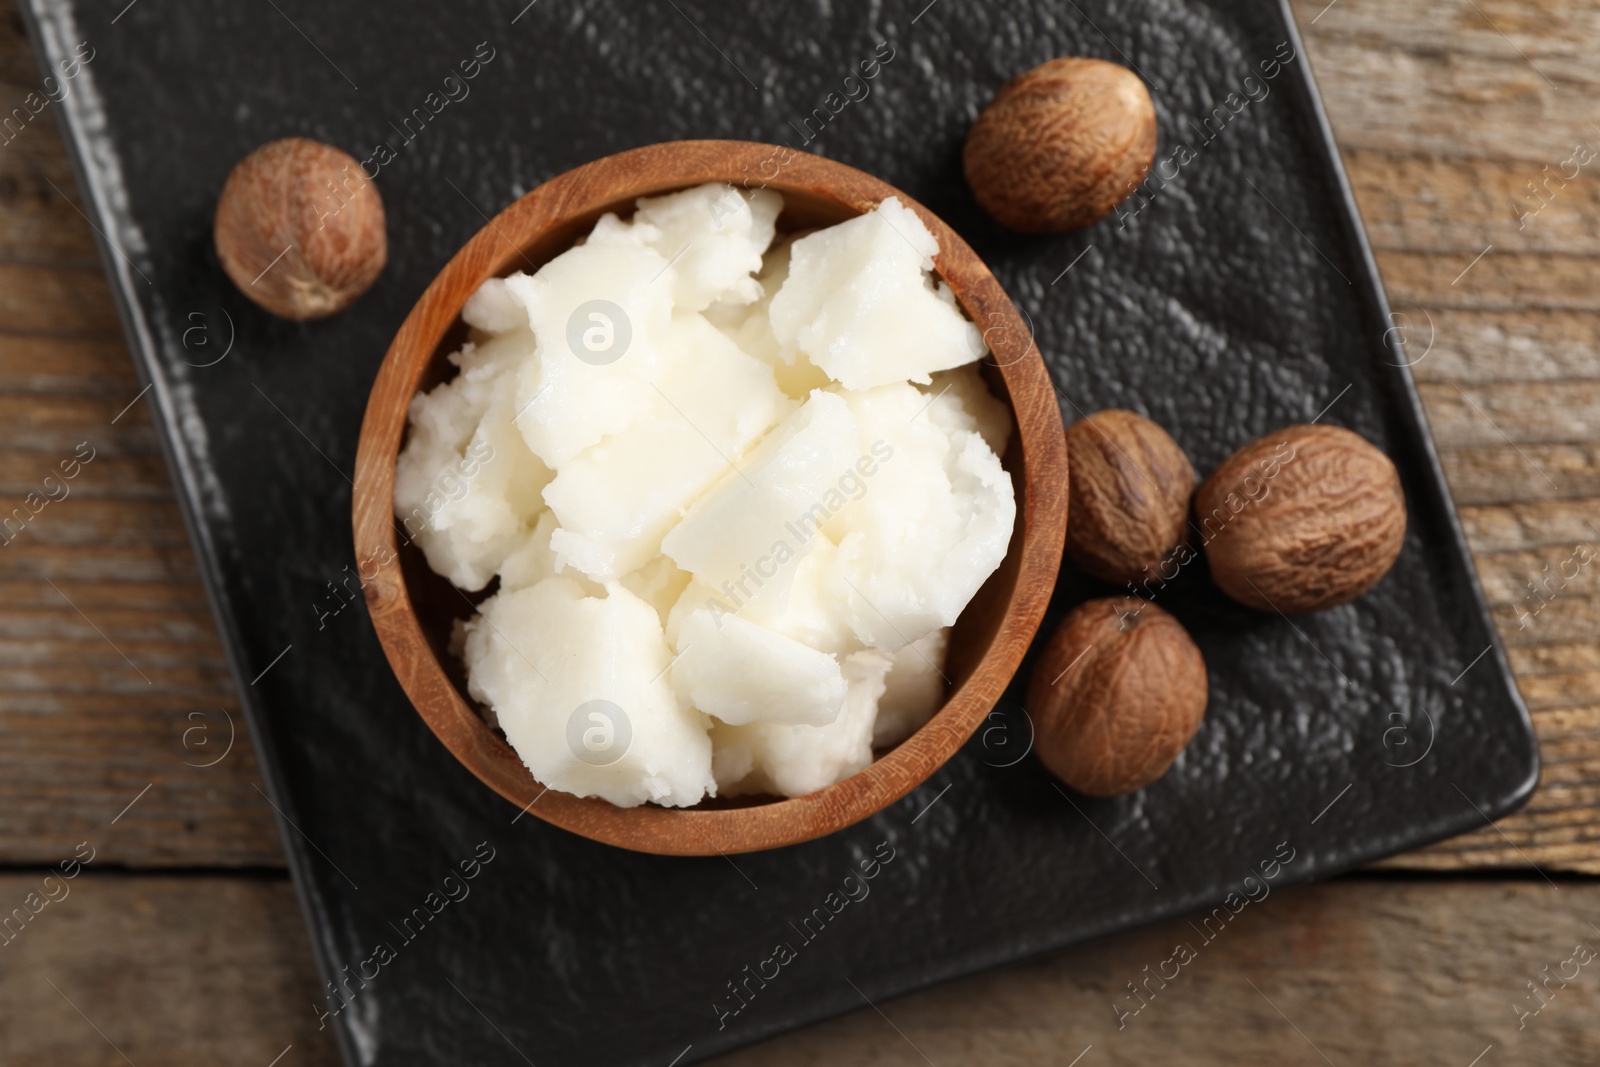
(751, 327)
(745, 536)
(713, 236)
(466, 487)
(959, 399)
(740, 673)
(932, 526)
(533, 560)
(579, 684)
(913, 689)
(796, 760)
(493, 309)
(861, 303)
(812, 612)
(601, 314)
(617, 498)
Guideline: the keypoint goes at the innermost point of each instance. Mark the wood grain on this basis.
(202, 969)
(111, 675)
(195, 969)
(1444, 114)
(1358, 971)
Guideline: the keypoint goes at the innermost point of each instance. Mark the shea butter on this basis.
(729, 490)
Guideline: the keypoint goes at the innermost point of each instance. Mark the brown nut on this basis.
(1118, 691)
(299, 228)
(1304, 518)
(1060, 146)
(1129, 486)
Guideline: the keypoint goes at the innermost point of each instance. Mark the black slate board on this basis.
(1241, 298)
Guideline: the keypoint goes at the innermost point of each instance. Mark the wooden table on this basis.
(181, 941)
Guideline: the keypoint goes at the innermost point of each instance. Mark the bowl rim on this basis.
(493, 251)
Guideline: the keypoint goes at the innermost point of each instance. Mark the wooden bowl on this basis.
(413, 608)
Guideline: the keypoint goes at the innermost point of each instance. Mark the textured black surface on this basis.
(1239, 300)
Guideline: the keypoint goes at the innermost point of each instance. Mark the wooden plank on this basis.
(1418, 203)
(111, 675)
(1518, 413)
(57, 300)
(1500, 281)
(1534, 579)
(133, 471)
(1538, 524)
(175, 970)
(1351, 972)
(52, 417)
(1500, 347)
(1444, 114)
(1554, 657)
(36, 219)
(1415, 77)
(93, 366)
(204, 969)
(1504, 474)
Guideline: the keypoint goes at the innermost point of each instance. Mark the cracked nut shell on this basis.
(1062, 145)
(1129, 486)
(1117, 693)
(1305, 518)
(300, 229)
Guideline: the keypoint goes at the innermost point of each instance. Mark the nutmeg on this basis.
(1304, 518)
(1129, 488)
(300, 229)
(1117, 692)
(1062, 145)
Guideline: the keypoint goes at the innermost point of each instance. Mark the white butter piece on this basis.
(601, 313)
(960, 400)
(931, 528)
(862, 304)
(751, 327)
(579, 685)
(466, 486)
(746, 535)
(812, 612)
(492, 308)
(739, 672)
(913, 689)
(796, 760)
(616, 499)
(713, 235)
(533, 560)
(658, 583)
